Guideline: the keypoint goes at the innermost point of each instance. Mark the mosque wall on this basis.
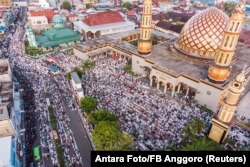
(138, 63)
(80, 54)
(208, 95)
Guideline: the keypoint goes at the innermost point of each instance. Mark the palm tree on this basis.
(189, 133)
(201, 144)
(87, 65)
(198, 125)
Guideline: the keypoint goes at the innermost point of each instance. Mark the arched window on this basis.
(226, 59)
(236, 28)
(221, 57)
(232, 25)
(226, 41)
(232, 41)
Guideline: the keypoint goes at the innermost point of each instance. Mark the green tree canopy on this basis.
(195, 126)
(102, 115)
(201, 144)
(88, 104)
(87, 65)
(229, 7)
(125, 143)
(78, 71)
(108, 136)
(127, 5)
(66, 5)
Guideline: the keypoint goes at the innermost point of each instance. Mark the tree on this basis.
(127, 5)
(108, 136)
(229, 7)
(105, 136)
(66, 5)
(88, 5)
(78, 71)
(88, 104)
(126, 142)
(201, 144)
(102, 115)
(68, 75)
(196, 126)
(87, 65)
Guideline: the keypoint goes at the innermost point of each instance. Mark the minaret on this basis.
(221, 123)
(219, 71)
(145, 43)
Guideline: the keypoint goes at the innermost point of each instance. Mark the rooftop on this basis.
(6, 129)
(166, 58)
(75, 77)
(106, 17)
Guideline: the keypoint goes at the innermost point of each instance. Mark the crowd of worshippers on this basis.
(240, 138)
(154, 120)
(34, 78)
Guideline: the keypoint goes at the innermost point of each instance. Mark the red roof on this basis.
(49, 13)
(131, 12)
(72, 15)
(106, 17)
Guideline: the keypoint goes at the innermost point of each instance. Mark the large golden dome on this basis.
(202, 34)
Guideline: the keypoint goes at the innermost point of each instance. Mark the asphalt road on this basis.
(79, 133)
(81, 138)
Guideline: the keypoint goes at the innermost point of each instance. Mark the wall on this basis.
(80, 55)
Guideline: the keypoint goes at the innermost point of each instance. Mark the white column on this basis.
(158, 85)
(151, 82)
(173, 90)
(165, 88)
(187, 91)
(179, 87)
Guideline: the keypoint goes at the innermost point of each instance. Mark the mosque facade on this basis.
(186, 66)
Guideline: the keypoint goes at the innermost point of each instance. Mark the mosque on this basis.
(55, 36)
(202, 63)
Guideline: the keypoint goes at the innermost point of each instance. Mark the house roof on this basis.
(106, 17)
(168, 26)
(75, 77)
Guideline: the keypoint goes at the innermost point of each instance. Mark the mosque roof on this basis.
(203, 33)
(57, 19)
(55, 37)
(106, 17)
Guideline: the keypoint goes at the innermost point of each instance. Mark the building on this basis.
(6, 127)
(49, 13)
(2, 23)
(5, 84)
(5, 151)
(72, 17)
(57, 35)
(103, 23)
(165, 5)
(7, 3)
(38, 23)
(179, 66)
(222, 122)
(77, 85)
(18, 121)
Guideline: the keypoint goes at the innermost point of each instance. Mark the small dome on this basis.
(241, 77)
(202, 34)
(57, 19)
